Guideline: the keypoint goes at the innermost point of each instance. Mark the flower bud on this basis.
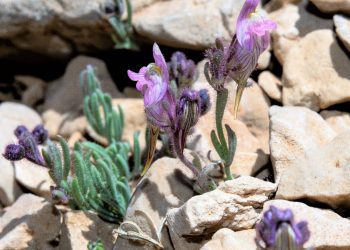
(20, 130)
(40, 134)
(182, 70)
(188, 109)
(205, 101)
(14, 152)
(59, 195)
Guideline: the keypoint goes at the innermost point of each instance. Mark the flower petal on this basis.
(160, 61)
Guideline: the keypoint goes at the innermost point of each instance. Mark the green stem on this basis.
(221, 101)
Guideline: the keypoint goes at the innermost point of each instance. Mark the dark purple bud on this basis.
(182, 70)
(40, 134)
(205, 101)
(14, 152)
(32, 153)
(20, 130)
(59, 195)
(277, 230)
(216, 68)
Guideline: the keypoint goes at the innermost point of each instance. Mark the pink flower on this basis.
(153, 83)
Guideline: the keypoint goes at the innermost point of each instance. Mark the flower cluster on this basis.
(170, 112)
(27, 146)
(182, 70)
(278, 230)
(238, 59)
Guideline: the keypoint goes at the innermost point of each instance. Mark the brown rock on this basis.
(80, 227)
(332, 6)
(35, 89)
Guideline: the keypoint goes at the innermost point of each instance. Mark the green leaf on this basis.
(232, 143)
(66, 158)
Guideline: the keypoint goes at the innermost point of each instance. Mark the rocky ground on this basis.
(293, 126)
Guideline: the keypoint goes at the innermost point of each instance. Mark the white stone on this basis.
(271, 85)
(331, 6)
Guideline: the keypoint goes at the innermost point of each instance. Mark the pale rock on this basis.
(318, 167)
(30, 223)
(188, 23)
(293, 23)
(264, 60)
(12, 115)
(315, 74)
(342, 27)
(34, 177)
(327, 228)
(234, 204)
(65, 95)
(271, 85)
(245, 163)
(52, 121)
(167, 184)
(339, 121)
(35, 89)
(293, 131)
(225, 239)
(331, 6)
(80, 227)
(73, 125)
(53, 28)
(74, 138)
(254, 113)
(138, 5)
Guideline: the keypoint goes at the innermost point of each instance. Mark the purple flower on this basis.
(182, 70)
(252, 38)
(153, 83)
(59, 195)
(277, 230)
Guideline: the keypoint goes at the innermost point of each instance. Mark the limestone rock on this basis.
(264, 60)
(52, 27)
(34, 177)
(294, 130)
(273, 5)
(227, 239)
(293, 23)
(315, 74)
(140, 4)
(342, 27)
(30, 223)
(271, 85)
(167, 184)
(319, 167)
(234, 204)
(339, 121)
(80, 227)
(327, 228)
(35, 89)
(331, 6)
(188, 23)
(65, 95)
(12, 115)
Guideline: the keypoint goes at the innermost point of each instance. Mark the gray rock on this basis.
(30, 223)
(187, 23)
(53, 28)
